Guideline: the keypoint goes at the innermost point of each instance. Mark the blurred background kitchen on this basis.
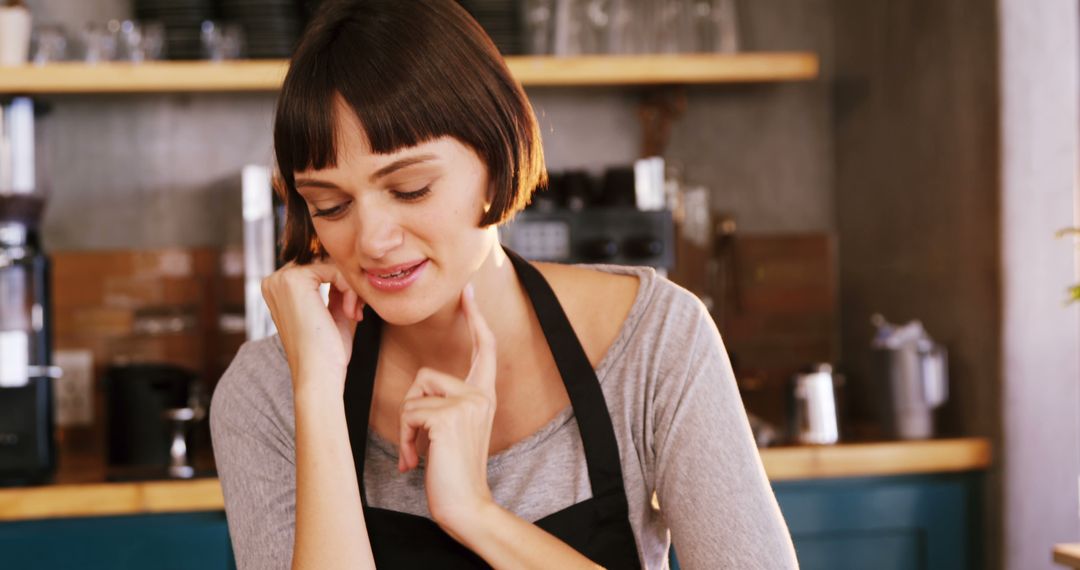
(866, 195)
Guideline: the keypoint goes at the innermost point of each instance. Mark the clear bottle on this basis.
(539, 23)
(716, 26)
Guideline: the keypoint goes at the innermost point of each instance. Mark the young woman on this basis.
(455, 406)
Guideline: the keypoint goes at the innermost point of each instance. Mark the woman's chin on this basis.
(403, 314)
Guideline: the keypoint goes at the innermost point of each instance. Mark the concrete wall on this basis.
(135, 172)
(766, 151)
(1041, 338)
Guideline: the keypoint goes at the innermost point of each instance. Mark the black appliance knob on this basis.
(643, 247)
(599, 249)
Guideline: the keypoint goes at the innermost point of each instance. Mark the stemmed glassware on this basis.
(575, 27)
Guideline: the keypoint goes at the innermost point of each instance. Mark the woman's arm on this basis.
(253, 449)
(318, 339)
(287, 505)
(505, 540)
(712, 487)
(330, 528)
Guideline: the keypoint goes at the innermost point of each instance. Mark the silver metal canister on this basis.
(912, 373)
(813, 409)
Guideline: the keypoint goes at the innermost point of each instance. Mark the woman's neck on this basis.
(443, 341)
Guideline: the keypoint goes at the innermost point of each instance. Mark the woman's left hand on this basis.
(456, 416)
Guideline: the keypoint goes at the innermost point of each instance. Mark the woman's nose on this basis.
(379, 233)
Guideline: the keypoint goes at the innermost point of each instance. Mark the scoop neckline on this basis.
(646, 279)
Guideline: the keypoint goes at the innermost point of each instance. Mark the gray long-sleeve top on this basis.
(678, 418)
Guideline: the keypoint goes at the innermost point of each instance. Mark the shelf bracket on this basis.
(659, 107)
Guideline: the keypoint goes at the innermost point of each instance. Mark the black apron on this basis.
(598, 527)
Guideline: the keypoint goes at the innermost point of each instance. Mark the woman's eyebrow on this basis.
(399, 164)
(308, 182)
(380, 173)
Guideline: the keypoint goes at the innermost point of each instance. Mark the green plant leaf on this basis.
(1074, 293)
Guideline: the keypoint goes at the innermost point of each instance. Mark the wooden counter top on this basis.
(876, 459)
(105, 499)
(781, 464)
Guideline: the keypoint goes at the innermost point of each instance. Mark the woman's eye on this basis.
(330, 213)
(411, 196)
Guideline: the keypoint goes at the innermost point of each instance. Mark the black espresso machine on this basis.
(621, 219)
(27, 444)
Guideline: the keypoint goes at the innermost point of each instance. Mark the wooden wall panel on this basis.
(916, 123)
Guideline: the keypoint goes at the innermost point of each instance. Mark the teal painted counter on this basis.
(160, 542)
(924, 522)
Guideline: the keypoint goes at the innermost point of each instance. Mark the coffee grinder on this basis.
(27, 443)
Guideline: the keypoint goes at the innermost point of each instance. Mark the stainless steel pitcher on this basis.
(912, 377)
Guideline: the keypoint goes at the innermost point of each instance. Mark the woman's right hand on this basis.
(317, 338)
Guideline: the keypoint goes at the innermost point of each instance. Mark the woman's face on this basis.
(403, 228)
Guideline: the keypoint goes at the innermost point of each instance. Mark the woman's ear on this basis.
(489, 199)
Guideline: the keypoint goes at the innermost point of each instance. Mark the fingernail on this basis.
(469, 293)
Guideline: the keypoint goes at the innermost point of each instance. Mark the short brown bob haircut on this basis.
(413, 71)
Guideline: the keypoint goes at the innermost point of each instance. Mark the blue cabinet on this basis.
(162, 542)
(921, 522)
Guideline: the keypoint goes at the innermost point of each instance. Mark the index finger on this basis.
(482, 373)
(328, 272)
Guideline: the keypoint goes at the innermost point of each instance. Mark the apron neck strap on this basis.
(586, 397)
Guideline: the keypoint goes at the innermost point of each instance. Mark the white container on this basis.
(14, 358)
(18, 166)
(14, 35)
(813, 412)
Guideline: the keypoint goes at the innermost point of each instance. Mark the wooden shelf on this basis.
(158, 77)
(239, 76)
(664, 69)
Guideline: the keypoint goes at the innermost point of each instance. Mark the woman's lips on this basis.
(395, 278)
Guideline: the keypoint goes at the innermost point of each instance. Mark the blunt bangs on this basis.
(412, 71)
